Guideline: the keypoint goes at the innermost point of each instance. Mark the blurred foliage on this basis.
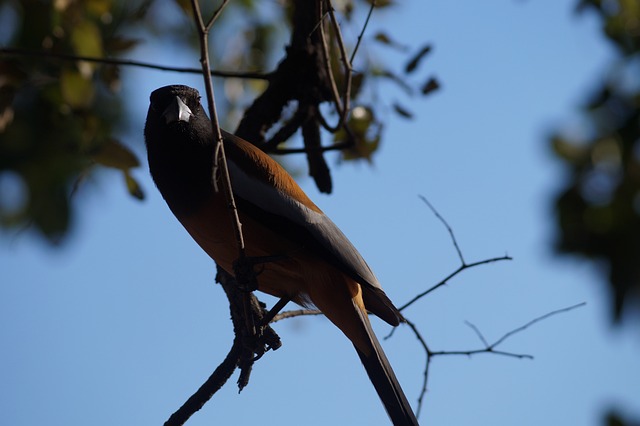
(598, 208)
(615, 419)
(60, 117)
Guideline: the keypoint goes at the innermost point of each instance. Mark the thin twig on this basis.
(220, 162)
(489, 348)
(215, 15)
(327, 64)
(126, 62)
(336, 147)
(345, 62)
(463, 266)
(444, 222)
(535, 320)
(478, 333)
(364, 27)
(295, 313)
(427, 364)
(451, 275)
(342, 106)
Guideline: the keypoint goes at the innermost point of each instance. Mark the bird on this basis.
(314, 264)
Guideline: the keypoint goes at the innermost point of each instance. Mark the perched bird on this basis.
(315, 264)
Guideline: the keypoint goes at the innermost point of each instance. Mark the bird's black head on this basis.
(176, 109)
(180, 145)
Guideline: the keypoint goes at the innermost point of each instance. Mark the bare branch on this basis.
(217, 379)
(364, 27)
(427, 364)
(219, 160)
(478, 333)
(487, 349)
(463, 265)
(296, 313)
(535, 320)
(215, 15)
(451, 275)
(285, 151)
(444, 222)
(342, 106)
(9, 51)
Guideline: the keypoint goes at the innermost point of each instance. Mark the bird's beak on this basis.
(177, 111)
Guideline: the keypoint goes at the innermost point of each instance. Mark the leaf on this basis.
(366, 132)
(185, 5)
(117, 156)
(412, 65)
(393, 77)
(379, 4)
(86, 39)
(98, 7)
(120, 44)
(77, 91)
(383, 38)
(430, 86)
(402, 112)
(133, 186)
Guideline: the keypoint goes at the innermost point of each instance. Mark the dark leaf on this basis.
(415, 60)
(384, 38)
(402, 112)
(117, 156)
(381, 3)
(430, 86)
(117, 45)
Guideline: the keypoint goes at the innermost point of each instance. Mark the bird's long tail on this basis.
(384, 379)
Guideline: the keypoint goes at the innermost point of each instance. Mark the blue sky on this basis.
(123, 323)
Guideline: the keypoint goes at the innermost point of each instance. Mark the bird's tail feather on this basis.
(384, 380)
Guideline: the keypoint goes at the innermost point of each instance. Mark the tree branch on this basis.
(10, 51)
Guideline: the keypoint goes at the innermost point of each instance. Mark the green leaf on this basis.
(117, 156)
(86, 39)
(133, 186)
(77, 91)
(383, 38)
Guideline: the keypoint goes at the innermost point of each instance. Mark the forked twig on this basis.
(489, 348)
(463, 264)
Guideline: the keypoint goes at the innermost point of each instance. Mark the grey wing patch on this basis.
(332, 238)
(326, 234)
(319, 225)
(334, 241)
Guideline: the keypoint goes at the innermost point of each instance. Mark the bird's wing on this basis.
(272, 190)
